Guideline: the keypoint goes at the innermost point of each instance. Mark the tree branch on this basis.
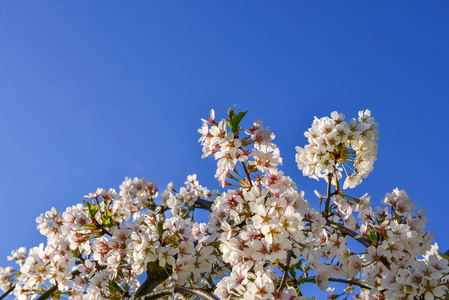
(350, 282)
(181, 290)
(312, 279)
(287, 266)
(247, 174)
(155, 276)
(364, 241)
(204, 204)
(328, 198)
(47, 294)
(8, 292)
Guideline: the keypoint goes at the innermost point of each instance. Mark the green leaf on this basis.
(88, 205)
(238, 118)
(113, 287)
(292, 271)
(235, 119)
(108, 222)
(160, 227)
(92, 209)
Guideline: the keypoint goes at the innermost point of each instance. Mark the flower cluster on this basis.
(6, 278)
(92, 245)
(180, 202)
(262, 239)
(257, 228)
(229, 149)
(422, 277)
(334, 144)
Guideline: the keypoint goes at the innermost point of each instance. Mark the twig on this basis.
(287, 266)
(312, 279)
(106, 232)
(364, 241)
(328, 199)
(350, 282)
(182, 290)
(247, 174)
(8, 292)
(47, 294)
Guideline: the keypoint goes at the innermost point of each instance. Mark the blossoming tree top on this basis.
(262, 241)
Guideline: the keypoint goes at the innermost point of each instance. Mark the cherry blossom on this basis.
(262, 240)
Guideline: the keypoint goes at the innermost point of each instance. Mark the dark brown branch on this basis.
(328, 197)
(287, 266)
(8, 292)
(312, 279)
(47, 294)
(350, 282)
(364, 241)
(204, 204)
(181, 290)
(104, 231)
(155, 276)
(247, 174)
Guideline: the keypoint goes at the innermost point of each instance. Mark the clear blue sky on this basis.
(93, 91)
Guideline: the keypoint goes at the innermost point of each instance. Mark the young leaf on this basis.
(235, 119)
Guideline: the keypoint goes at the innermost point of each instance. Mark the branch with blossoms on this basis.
(180, 290)
(262, 240)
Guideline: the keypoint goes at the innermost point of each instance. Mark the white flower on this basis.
(334, 143)
(262, 287)
(166, 256)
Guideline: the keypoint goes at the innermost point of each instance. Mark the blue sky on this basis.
(93, 91)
